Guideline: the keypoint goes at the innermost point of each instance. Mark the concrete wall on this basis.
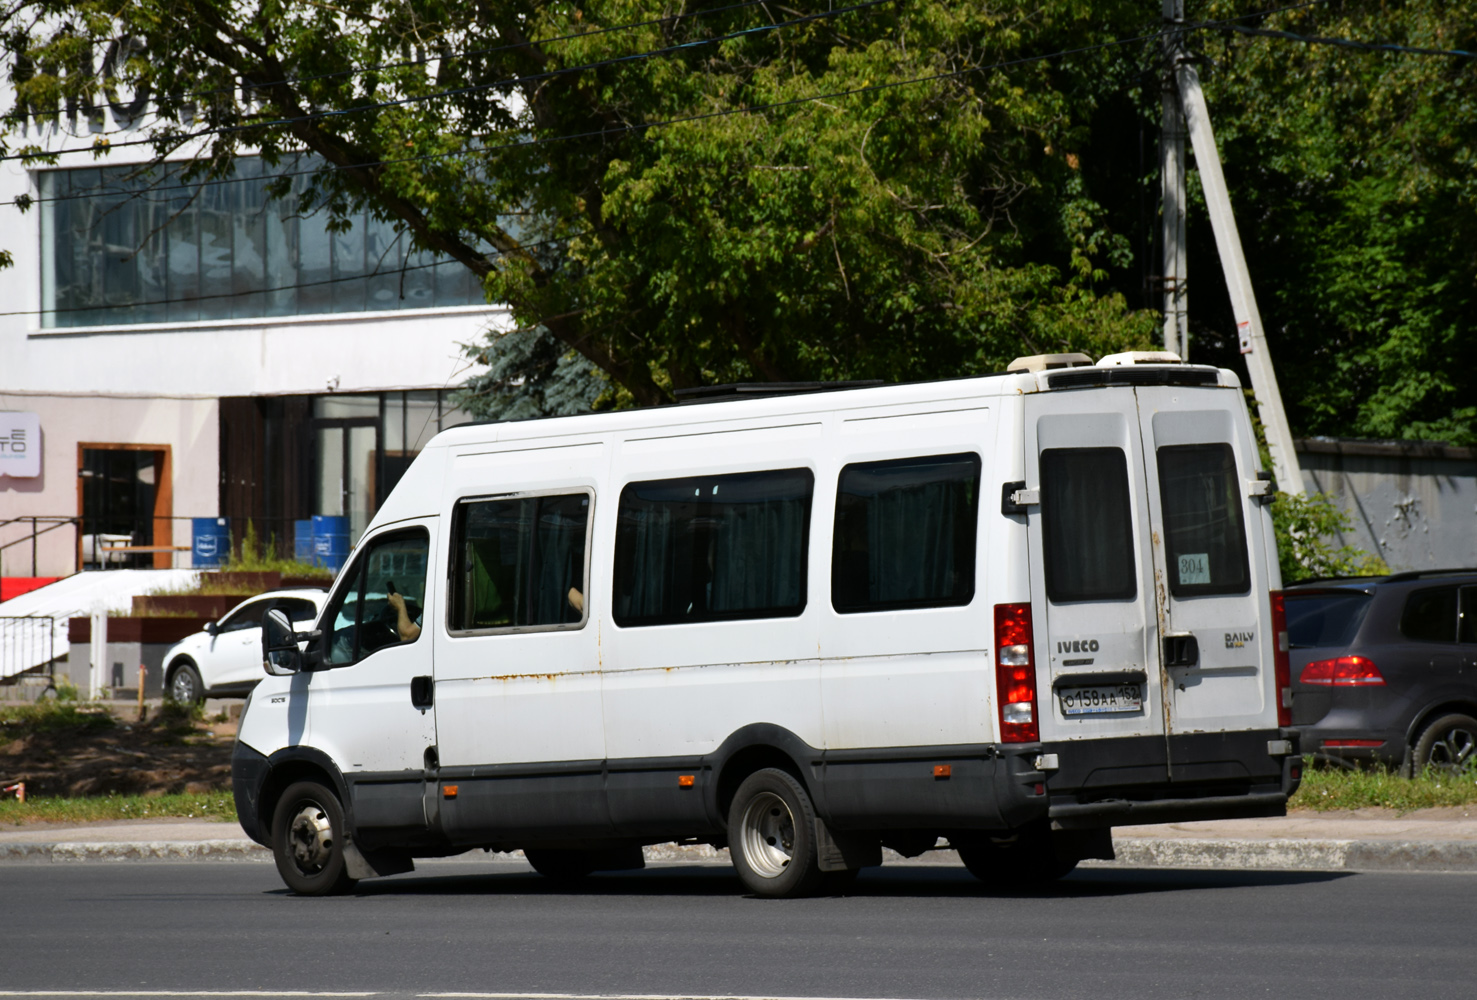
(1415, 504)
(124, 656)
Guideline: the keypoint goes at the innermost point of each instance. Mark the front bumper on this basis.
(248, 772)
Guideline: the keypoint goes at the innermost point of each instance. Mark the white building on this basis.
(197, 350)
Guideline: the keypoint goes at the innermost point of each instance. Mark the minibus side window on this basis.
(1205, 541)
(905, 534)
(712, 548)
(520, 563)
(363, 617)
(1087, 524)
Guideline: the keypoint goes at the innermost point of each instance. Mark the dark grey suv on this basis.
(1384, 669)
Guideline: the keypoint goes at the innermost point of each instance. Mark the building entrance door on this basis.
(124, 501)
(346, 462)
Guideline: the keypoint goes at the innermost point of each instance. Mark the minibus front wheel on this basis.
(771, 836)
(308, 840)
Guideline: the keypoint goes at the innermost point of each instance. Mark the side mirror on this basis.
(280, 655)
(212, 629)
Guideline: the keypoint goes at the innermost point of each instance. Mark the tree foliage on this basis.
(1352, 174)
(702, 194)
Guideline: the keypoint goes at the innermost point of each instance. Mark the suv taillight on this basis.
(1015, 674)
(1343, 671)
(1281, 660)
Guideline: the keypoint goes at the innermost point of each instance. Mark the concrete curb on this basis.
(1133, 852)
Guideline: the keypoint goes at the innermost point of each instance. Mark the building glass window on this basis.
(118, 248)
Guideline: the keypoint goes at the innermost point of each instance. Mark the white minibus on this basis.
(999, 614)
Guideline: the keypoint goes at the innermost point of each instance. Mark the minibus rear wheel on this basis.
(308, 840)
(771, 836)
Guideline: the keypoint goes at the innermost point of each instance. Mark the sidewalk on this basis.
(1367, 840)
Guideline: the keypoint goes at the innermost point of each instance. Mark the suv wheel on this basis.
(1448, 744)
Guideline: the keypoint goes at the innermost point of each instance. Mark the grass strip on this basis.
(94, 809)
(1326, 788)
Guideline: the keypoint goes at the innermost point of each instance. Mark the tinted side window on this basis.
(1468, 632)
(248, 617)
(1200, 491)
(520, 562)
(1430, 615)
(905, 534)
(1319, 620)
(298, 609)
(1087, 523)
(712, 548)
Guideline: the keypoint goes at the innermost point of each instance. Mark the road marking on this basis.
(624, 996)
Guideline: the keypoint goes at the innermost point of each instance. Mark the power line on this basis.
(405, 64)
(288, 288)
(1347, 43)
(460, 91)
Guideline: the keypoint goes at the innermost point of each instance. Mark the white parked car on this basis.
(225, 658)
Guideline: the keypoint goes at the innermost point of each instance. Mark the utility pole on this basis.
(1238, 278)
(1172, 177)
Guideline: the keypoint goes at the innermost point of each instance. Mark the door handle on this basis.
(1181, 651)
(422, 691)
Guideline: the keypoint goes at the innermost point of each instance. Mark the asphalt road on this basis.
(905, 932)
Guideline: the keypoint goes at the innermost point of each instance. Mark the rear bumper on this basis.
(1196, 776)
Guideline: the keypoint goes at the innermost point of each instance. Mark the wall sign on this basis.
(20, 445)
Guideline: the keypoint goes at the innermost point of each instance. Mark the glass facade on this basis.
(118, 247)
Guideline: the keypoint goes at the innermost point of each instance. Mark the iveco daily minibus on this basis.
(999, 614)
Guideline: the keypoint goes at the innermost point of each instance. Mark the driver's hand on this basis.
(397, 601)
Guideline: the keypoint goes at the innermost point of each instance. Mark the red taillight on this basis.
(1344, 671)
(1015, 674)
(1334, 744)
(1281, 660)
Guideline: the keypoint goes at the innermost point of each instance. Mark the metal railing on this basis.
(28, 642)
(52, 523)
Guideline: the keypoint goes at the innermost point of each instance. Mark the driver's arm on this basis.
(407, 629)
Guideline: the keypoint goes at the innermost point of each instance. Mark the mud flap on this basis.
(361, 865)
(1080, 845)
(844, 853)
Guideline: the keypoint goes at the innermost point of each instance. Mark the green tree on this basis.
(840, 192)
(1352, 175)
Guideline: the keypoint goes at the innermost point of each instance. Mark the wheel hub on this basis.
(1454, 749)
(310, 835)
(768, 835)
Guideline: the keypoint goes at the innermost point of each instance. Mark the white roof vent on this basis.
(1047, 362)
(1139, 358)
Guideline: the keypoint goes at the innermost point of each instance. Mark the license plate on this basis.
(1102, 699)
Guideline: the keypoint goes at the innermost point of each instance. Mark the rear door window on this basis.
(1200, 491)
(1468, 625)
(1431, 615)
(1087, 522)
(905, 534)
(1316, 621)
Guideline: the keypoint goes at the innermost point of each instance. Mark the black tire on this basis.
(1023, 860)
(308, 841)
(1447, 744)
(185, 686)
(561, 866)
(771, 836)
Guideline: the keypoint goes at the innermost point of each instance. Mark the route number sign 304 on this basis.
(1101, 699)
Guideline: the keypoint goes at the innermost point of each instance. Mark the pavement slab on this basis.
(1362, 840)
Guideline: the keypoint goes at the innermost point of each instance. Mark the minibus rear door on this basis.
(1092, 584)
(1216, 657)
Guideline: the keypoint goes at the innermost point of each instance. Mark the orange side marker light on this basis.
(449, 791)
(942, 770)
(686, 780)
